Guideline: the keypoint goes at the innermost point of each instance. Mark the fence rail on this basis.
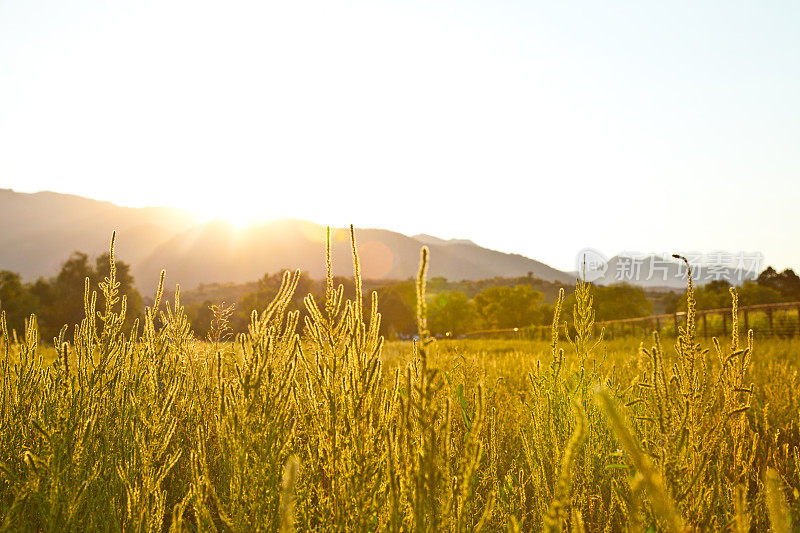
(779, 319)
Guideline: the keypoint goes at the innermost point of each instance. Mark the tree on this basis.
(670, 301)
(61, 298)
(397, 304)
(266, 290)
(787, 283)
(716, 295)
(713, 295)
(200, 315)
(507, 307)
(17, 300)
(450, 312)
(753, 293)
(618, 301)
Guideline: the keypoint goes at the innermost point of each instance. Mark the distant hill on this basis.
(431, 240)
(40, 230)
(217, 251)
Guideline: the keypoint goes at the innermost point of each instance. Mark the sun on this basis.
(237, 215)
(238, 219)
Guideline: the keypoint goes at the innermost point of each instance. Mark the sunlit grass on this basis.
(322, 426)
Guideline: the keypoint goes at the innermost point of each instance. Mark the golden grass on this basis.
(320, 426)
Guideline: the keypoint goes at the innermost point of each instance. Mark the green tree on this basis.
(787, 283)
(63, 303)
(508, 307)
(752, 293)
(266, 289)
(713, 295)
(450, 312)
(716, 295)
(17, 300)
(397, 304)
(614, 302)
(61, 298)
(200, 316)
(670, 301)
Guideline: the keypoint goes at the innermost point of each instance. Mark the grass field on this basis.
(321, 426)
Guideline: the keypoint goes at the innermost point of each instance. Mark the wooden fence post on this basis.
(798, 319)
(769, 316)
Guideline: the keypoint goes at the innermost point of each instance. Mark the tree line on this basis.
(451, 311)
(59, 300)
(454, 308)
(769, 287)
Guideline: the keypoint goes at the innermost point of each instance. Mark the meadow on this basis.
(318, 425)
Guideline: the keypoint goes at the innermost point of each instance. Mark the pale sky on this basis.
(532, 127)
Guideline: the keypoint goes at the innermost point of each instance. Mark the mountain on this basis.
(218, 252)
(40, 230)
(431, 240)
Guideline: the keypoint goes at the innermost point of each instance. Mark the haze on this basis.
(532, 127)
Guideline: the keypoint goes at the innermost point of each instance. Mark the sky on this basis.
(539, 128)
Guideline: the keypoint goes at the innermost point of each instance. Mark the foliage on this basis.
(621, 300)
(59, 301)
(397, 303)
(755, 294)
(266, 289)
(450, 313)
(16, 300)
(787, 283)
(716, 295)
(508, 307)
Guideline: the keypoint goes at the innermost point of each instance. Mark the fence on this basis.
(780, 320)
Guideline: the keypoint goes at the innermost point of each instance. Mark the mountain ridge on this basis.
(192, 253)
